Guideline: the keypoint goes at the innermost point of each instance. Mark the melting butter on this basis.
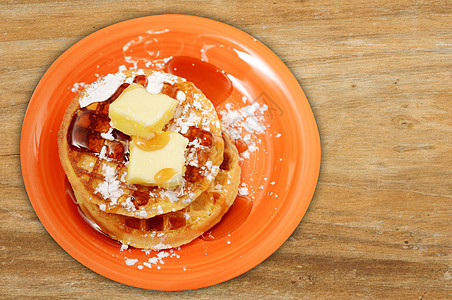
(137, 112)
(159, 161)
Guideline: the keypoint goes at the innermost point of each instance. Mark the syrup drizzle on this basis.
(89, 122)
(164, 175)
(141, 79)
(89, 220)
(232, 220)
(159, 141)
(140, 197)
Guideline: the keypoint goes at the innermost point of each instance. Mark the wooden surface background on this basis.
(378, 77)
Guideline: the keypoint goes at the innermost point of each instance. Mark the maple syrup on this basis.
(176, 221)
(89, 122)
(241, 145)
(192, 174)
(232, 220)
(140, 197)
(88, 218)
(132, 222)
(164, 175)
(141, 79)
(159, 141)
(69, 191)
(156, 223)
(170, 90)
(208, 78)
(205, 137)
(226, 164)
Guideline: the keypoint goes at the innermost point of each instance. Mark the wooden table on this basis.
(378, 77)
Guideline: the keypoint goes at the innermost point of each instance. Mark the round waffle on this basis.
(180, 227)
(95, 156)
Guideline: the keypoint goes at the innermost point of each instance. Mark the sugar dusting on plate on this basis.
(152, 259)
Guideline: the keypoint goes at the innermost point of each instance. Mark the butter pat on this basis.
(136, 112)
(159, 161)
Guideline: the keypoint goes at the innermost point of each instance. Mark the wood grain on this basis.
(378, 77)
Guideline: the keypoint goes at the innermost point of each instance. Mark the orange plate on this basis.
(281, 175)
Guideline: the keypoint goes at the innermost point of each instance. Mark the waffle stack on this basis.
(95, 158)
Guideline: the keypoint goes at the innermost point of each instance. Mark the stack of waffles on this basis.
(95, 157)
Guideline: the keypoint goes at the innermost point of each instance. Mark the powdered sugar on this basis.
(131, 261)
(193, 114)
(252, 148)
(108, 135)
(183, 120)
(250, 118)
(181, 96)
(128, 204)
(103, 153)
(77, 86)
(142, 213)
(245, 154)
(156, 81)
(243, 190)
(245, 123)
(102, 89)
(159, 63)
(197, 105)
(110, 187)
(105, 87)
(171, 195)
(192, 152)
(156, 261)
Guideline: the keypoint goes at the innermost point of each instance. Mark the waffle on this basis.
(95, 156)
(180, 227)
